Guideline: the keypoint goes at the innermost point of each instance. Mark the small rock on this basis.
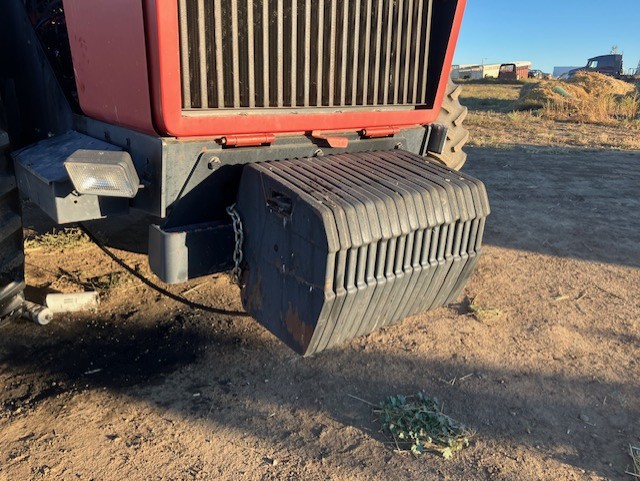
(271, 461)
(318, 430)
(584, 418)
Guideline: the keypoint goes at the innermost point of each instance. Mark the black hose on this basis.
(156, 287)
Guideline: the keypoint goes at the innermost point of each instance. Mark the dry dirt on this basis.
(547, 375)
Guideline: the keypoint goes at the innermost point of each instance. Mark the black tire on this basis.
(451, 116)
(11, 242)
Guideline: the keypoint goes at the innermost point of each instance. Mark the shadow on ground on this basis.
(575, 203)
(479, 104)
(248, 382)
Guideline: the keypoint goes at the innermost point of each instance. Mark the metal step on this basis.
(336, 247)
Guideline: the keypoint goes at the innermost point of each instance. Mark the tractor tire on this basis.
(11, 242)
(451, 116)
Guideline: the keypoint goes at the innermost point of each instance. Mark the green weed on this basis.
(417, 424)
(482, 313)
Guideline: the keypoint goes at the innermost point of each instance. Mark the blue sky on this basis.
(549, 33)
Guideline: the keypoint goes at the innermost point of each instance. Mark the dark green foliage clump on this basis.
(417, 424)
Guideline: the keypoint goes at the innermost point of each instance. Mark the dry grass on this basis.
(104, 284)
(634, 452)
(586, 97)
(607, 109)
(494, 121)
(493, 129)
(481, 313)
(56, 240)
(490, 97)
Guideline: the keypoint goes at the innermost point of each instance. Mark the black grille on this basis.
(246, 54)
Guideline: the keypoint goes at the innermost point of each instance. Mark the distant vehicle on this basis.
(559, 72)
(606, 64)
(514, 71)
(539, 74)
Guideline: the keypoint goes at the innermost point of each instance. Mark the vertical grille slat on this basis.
(388, 50)
(377, 53)
(234, 52)
(407, 58)
(319, 52)
(294, 52)
(218, 41)
(425, 55)
(356, 53)
(417, 51)
(332, 52)
(345, 39)
(307, 52)
(251, 55)
(284, 54)
(367, 51)
(396, 75)
(265, 53)
(204, 78)
(280, 65)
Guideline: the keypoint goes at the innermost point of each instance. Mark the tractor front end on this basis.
(310, 146)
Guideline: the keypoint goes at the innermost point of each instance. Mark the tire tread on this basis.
(11, 237)
(452, 115)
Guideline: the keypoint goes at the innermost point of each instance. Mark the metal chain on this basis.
(239, 236)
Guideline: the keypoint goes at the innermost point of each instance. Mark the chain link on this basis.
(239, 236)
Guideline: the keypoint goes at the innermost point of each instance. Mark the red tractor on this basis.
(311, 147)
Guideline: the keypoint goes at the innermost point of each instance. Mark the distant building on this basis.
(468, 71)
(477, 71)
(491, 70)
(558, 71)
(473, 71)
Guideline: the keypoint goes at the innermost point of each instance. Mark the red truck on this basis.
(311, 147)
(514, 71)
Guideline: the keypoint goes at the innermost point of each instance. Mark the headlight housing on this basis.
(104, 173)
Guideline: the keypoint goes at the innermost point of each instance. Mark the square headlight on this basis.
(102, 172)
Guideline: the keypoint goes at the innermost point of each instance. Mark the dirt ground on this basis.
(547, 374)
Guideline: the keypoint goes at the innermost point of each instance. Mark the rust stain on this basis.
(300, 331)
(253, 297)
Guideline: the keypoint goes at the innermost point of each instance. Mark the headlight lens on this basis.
(104, 173)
